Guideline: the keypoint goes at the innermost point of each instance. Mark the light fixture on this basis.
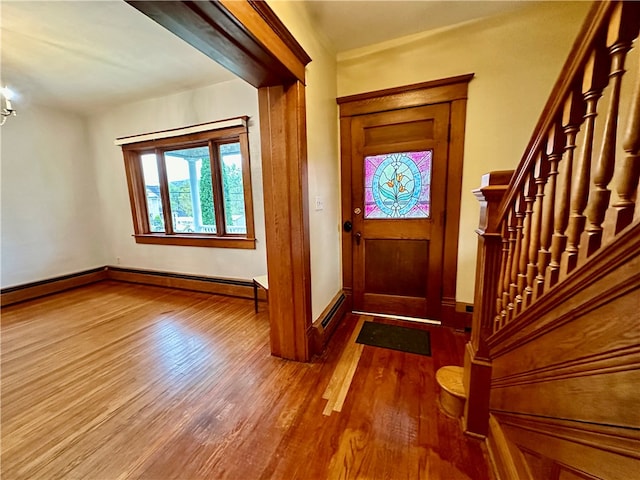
(7, 108)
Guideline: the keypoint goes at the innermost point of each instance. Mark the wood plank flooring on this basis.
(118, 381)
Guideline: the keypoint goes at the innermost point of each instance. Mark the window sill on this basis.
(196, 240)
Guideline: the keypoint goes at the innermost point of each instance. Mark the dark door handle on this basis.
(347, 226)
(358, 237)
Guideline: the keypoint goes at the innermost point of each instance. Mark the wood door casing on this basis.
(452, 91)
(397, 262)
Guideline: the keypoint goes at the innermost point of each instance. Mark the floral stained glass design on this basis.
(397, 185)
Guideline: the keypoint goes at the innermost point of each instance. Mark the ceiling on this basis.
(89, 55)
(352, 24)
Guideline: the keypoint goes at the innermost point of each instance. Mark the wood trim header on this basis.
(289, 50)
(247, 38)
(425, 93)
(176, 132)
(277, 26)
(405, 88)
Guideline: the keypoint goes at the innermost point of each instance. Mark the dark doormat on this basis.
(404, 339)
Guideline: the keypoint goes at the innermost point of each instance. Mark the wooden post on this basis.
(284, 176)
(477, 363)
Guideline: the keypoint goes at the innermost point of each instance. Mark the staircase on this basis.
(552, 370)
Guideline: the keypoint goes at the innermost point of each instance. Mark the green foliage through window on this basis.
(206, 195)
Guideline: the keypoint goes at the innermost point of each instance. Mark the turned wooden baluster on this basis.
(619, 39)
(555, 147)
(595, 78)
(571, 118)
(529, 197)
(540, 173)
(630, 171)
(501, 307)
(506, 298)
(630, 167)
(518, 212)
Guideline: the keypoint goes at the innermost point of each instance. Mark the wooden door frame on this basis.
(247, 38)
(451, 90)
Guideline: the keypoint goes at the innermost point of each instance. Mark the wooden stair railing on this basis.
(557, 211)
(573, 193)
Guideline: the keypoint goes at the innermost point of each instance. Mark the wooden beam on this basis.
(258, 20)
(244, 37)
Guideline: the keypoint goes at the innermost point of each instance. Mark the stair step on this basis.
(452, 393)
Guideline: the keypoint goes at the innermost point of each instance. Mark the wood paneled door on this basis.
(401, 153)
(398, 165)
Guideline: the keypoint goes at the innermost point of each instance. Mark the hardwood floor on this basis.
(115, 381)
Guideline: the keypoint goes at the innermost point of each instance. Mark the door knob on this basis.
(347, 226)
(358, 237)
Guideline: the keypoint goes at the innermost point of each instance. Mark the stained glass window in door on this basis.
(397, 185)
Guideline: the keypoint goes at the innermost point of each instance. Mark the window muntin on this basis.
(152, 192)
(192, 190)
(233, 192)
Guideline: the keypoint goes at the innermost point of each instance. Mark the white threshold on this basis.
(399, 317)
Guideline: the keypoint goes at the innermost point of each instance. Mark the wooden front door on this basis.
(398, 195)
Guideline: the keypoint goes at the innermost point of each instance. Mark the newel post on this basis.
(477, 362)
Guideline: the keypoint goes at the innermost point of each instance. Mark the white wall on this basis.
(322, 154)
(216, 102)
(516, 59)
(51, 216)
